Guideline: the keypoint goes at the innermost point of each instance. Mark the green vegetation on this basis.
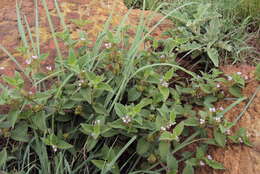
(114, 108)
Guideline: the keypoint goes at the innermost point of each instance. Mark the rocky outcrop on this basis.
(96, 12)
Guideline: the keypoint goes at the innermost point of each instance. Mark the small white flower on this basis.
(221, 108)
(202, 163)
(108, 45)
(28, 61)
(165, 84)
(230, 78)
(209, 157)
(30, 92)
(212, 109)
(218, 86)
(162, 56)
(202, 121)
(228, 132)
(2, 68)
(239, 73)
(222, 92)
(240, 140)
(35, 57)
(82, 39)
(126, 119)
(217, 119)
(163, 128)
(54, 148)
(49, 68)
(198, 76)
(168, 126)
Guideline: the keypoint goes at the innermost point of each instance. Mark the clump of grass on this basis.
(113, 110)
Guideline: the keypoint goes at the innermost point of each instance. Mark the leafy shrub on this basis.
(114, 109)
(202, 33)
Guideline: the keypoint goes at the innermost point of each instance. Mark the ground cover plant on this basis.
(113, 108)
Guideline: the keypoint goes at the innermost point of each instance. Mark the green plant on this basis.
(203, 33)
(112, 110)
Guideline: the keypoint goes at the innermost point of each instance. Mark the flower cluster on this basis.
(164, 83)
(126, 119)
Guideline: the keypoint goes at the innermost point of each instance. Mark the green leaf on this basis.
(192, 121)
(214, 164)
(120, 109)
(172, 164)
(99, 108)
(133, 94)
(99, 163)
(188, 169)
(168, 75)
(165, 92)
(142, 147)
(53, 140)
(20, 132)
(235, 91)
(178, 129)
(220, 138)
(87, 94)
(167, 136)
(3, 157)
(213, 55)
(164, 150)
(199, 153)
(104, 86)
(12, 118)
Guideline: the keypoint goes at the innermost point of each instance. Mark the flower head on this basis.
(162, 56)
(49, 68)
(28, 61)
(126, 119)
(202, 121)
(108, 45)
(2, 67)
(163, 128)
(212, 109)
(35, 57)
(209, 157)
(218, 86)
(202, 163)
(217, 119)
(82, 39)
(239, 73)
(230, 78)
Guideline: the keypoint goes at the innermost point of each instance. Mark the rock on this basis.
(95, 11)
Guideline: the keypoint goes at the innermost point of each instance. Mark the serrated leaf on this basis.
(213, 55)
